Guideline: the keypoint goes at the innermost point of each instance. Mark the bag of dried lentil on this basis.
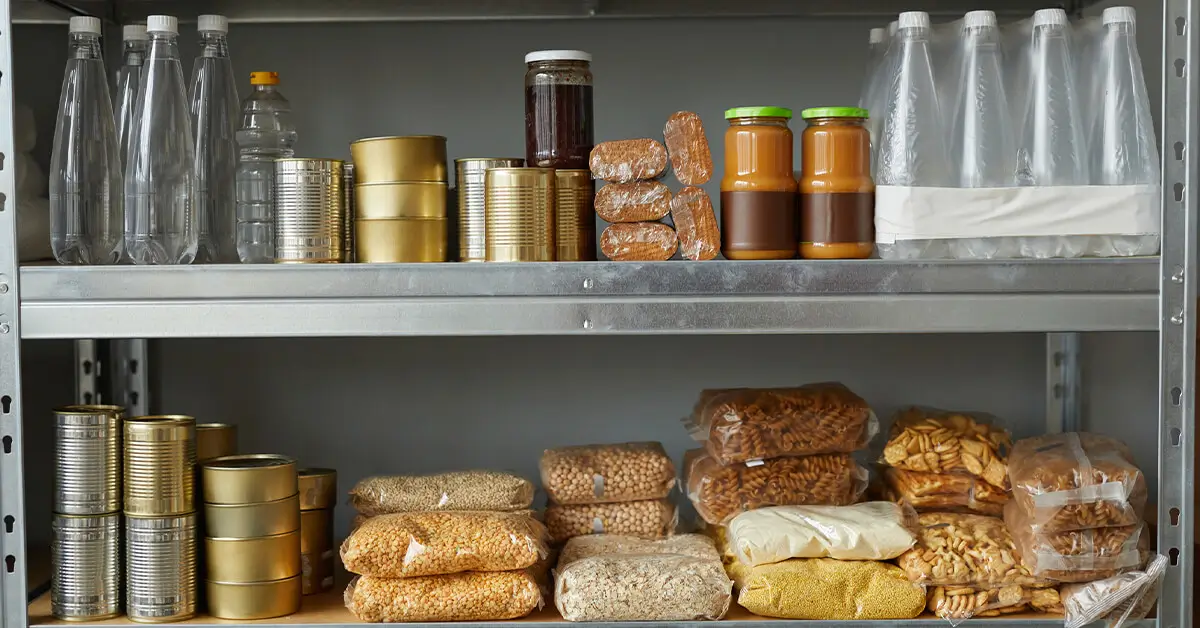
(456, 490)
(404, 545)
(827, 589)
(647, 519)
(471, 596)
(928, 440)
(581, 547)
(965, 550)
(595, 474)
(652, 587)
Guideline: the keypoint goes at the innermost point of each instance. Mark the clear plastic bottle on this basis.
(877, 104)
(133, 58)
(214, 107)
(266, 134)
(877, 45)
(85, 166)
(161, 225)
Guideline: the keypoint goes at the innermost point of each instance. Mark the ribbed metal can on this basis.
(470, 175)
(85, 558)
(309, 210)
(519, 215)
(347, 212)
(160, 559)
(87, 459)
(160, 465)
(575, 216)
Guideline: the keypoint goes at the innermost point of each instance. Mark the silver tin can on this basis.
(309, 212)
(87, 460)
(85, 559)
(160, 560)
(348, 212)
(469, 178)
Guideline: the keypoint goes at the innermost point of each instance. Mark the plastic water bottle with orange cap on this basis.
(266, 134)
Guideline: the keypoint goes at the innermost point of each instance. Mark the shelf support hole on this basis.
(1178, 192)
(9, 521)
(87, 398)
(8, 444)
(1174, 516)
(1176, 395)
(87, 367)
(1174, 553)
(1178, 151)
(1180, 26)
(133, 397)
(10, 563)
(1180, 67)
(1175, 437)
(133, 364)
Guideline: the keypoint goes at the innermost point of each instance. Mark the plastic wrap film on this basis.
(581, 547)
(639, 242)
(1075, 481)
(639, 201)
(647, 519)
(1117, 600)
(1077, 555)
(750, 424)
(649, 587)
(965, 550)
(721, 492)
(1026, 247)
(827, 589)
(622, 161)
(867, 531)
(403, 545)
(472, 596)
(696, 224)
(456, 490)
(936, 492)
(594, 474)
(691, 159)
(939, 441)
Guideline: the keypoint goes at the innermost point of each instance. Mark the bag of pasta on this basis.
(965, 550)
(1076, 555)
(470, 596)
(938, 492)
(938, 441)
(456, 490)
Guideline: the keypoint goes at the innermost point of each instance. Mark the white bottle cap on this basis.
(134, 32)
(558, 55)
(1120, 15)
(893, 26)
(914, 19)
(218, 23)
(1050, 17)
(878, 35)
(162, 24)
(979, 18)
(84, 24)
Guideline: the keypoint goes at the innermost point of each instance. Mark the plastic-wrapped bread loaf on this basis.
(696, 224)
(639, 201)
(688, 146)
(622, 161)
(639, 242)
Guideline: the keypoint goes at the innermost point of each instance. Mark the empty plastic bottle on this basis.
(214, 108)
(133, 58)
(983, 143)
(878, 88)
(161, 225)
(85, 166)
(266, 134)
(1126, 150)
(913, 150)
(877, 45)
(1053, 150)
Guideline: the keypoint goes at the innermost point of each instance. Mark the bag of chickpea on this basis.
(404, 545)
(470, 596)
(942, 492)
(965, 550)
(649, 587)
(647, 519)
(928, 440)
(827, 589)
(456, 490)
(581, 547)
(597, 474)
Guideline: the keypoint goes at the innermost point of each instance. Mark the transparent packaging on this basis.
(266, 133)
(623, 161)
(929, 440)
(1076, 555)
(687, 145)
(454, 490)
(471, 596)
(640, 201)
(594, 474)
(695, 224)
(161, 220)
(867, 531)
(965, 550)
(135, 46)
(639, 242)
(983, 144)
(875, 94)
(86, 202)
(943, 492)
(581, 547)
(1117, 600)
(654, 587)
(827, 589)
(214, 108)
(647, 519)
(958, 604)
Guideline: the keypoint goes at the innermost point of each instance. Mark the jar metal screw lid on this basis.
(834, 112)
(758, 112)
(558, 55)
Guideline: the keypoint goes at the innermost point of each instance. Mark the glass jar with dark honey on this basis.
(758, 189)
(837, 194)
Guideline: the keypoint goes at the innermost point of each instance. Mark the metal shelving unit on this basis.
(1057, 297)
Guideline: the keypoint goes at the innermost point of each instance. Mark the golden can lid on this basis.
(168, 427)
(248, 478)
(318, 488)
(249, 461)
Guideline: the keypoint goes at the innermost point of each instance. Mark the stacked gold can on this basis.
(85, 551)
(400, 199)
(318, 497)
(160, 518)
(470, 176)
(575, 216)
(348, 212)
(252, 536)
(213, 440)
(519, 206)
(308, 211)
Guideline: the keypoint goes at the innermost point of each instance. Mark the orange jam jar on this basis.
(758, 189)
(837, 194)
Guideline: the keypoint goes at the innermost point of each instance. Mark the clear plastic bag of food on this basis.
(867, 531)
(596, 474)
(944, 442)
(581, 547)
(647, 519)
(1076, 555)
(750, 424)
(687, 144)
(940, 492)
(648, 587)
(456, 490)
(720, 492)
(404, 545)
(965, 550)
(622, 161)
(1075, 481)
(471, 596)
(958, 604)
(1117, 600)
(639, 242)
(639, 201)
(827, 589)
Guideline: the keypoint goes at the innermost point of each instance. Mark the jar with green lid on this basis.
(837, 194)
(758, 190)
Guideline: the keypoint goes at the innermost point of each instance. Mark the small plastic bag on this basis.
(687, 145)
(581, 547)
(1122, 598)
(751, 424)
(957, 550)
(597, 474)
(647, 519)
(939, 441)
(827, 589)
(1075, 481)
(868, 531)
(411, 544)
(456, 490)
(1076, 555)
(632, 587)
(622, 161)
(958, 604)
(471, 596)
(939, 492)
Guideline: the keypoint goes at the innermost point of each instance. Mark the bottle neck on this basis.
(85, 46)
(266, 89)
(214, 44)
(1121, 28)
(759, 121)
(164, 45)
(134, 52)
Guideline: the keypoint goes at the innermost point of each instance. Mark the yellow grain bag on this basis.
(824, 588)
(471, 596)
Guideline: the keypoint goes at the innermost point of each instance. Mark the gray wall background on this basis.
(398, 405)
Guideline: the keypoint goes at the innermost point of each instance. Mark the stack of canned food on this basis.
(400, 199)
(318, 496)
(309, 211)
(213, 440)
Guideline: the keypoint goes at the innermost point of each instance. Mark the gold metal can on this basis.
(253, 600)
(160, 564)
(519, 215)
(249, 479)
(255, 559)
(413, 199)
(400, 240)
(575, 216)
(348, 212)
(251, 520)
(406, 158)
(308, 210)
(316, 572)
(87, 459)
(316, 531)
(318, 489)
(160, 465)
(470, 175)
(214, 440)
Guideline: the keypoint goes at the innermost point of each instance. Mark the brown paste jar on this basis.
(837, 194)
(758, 191)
